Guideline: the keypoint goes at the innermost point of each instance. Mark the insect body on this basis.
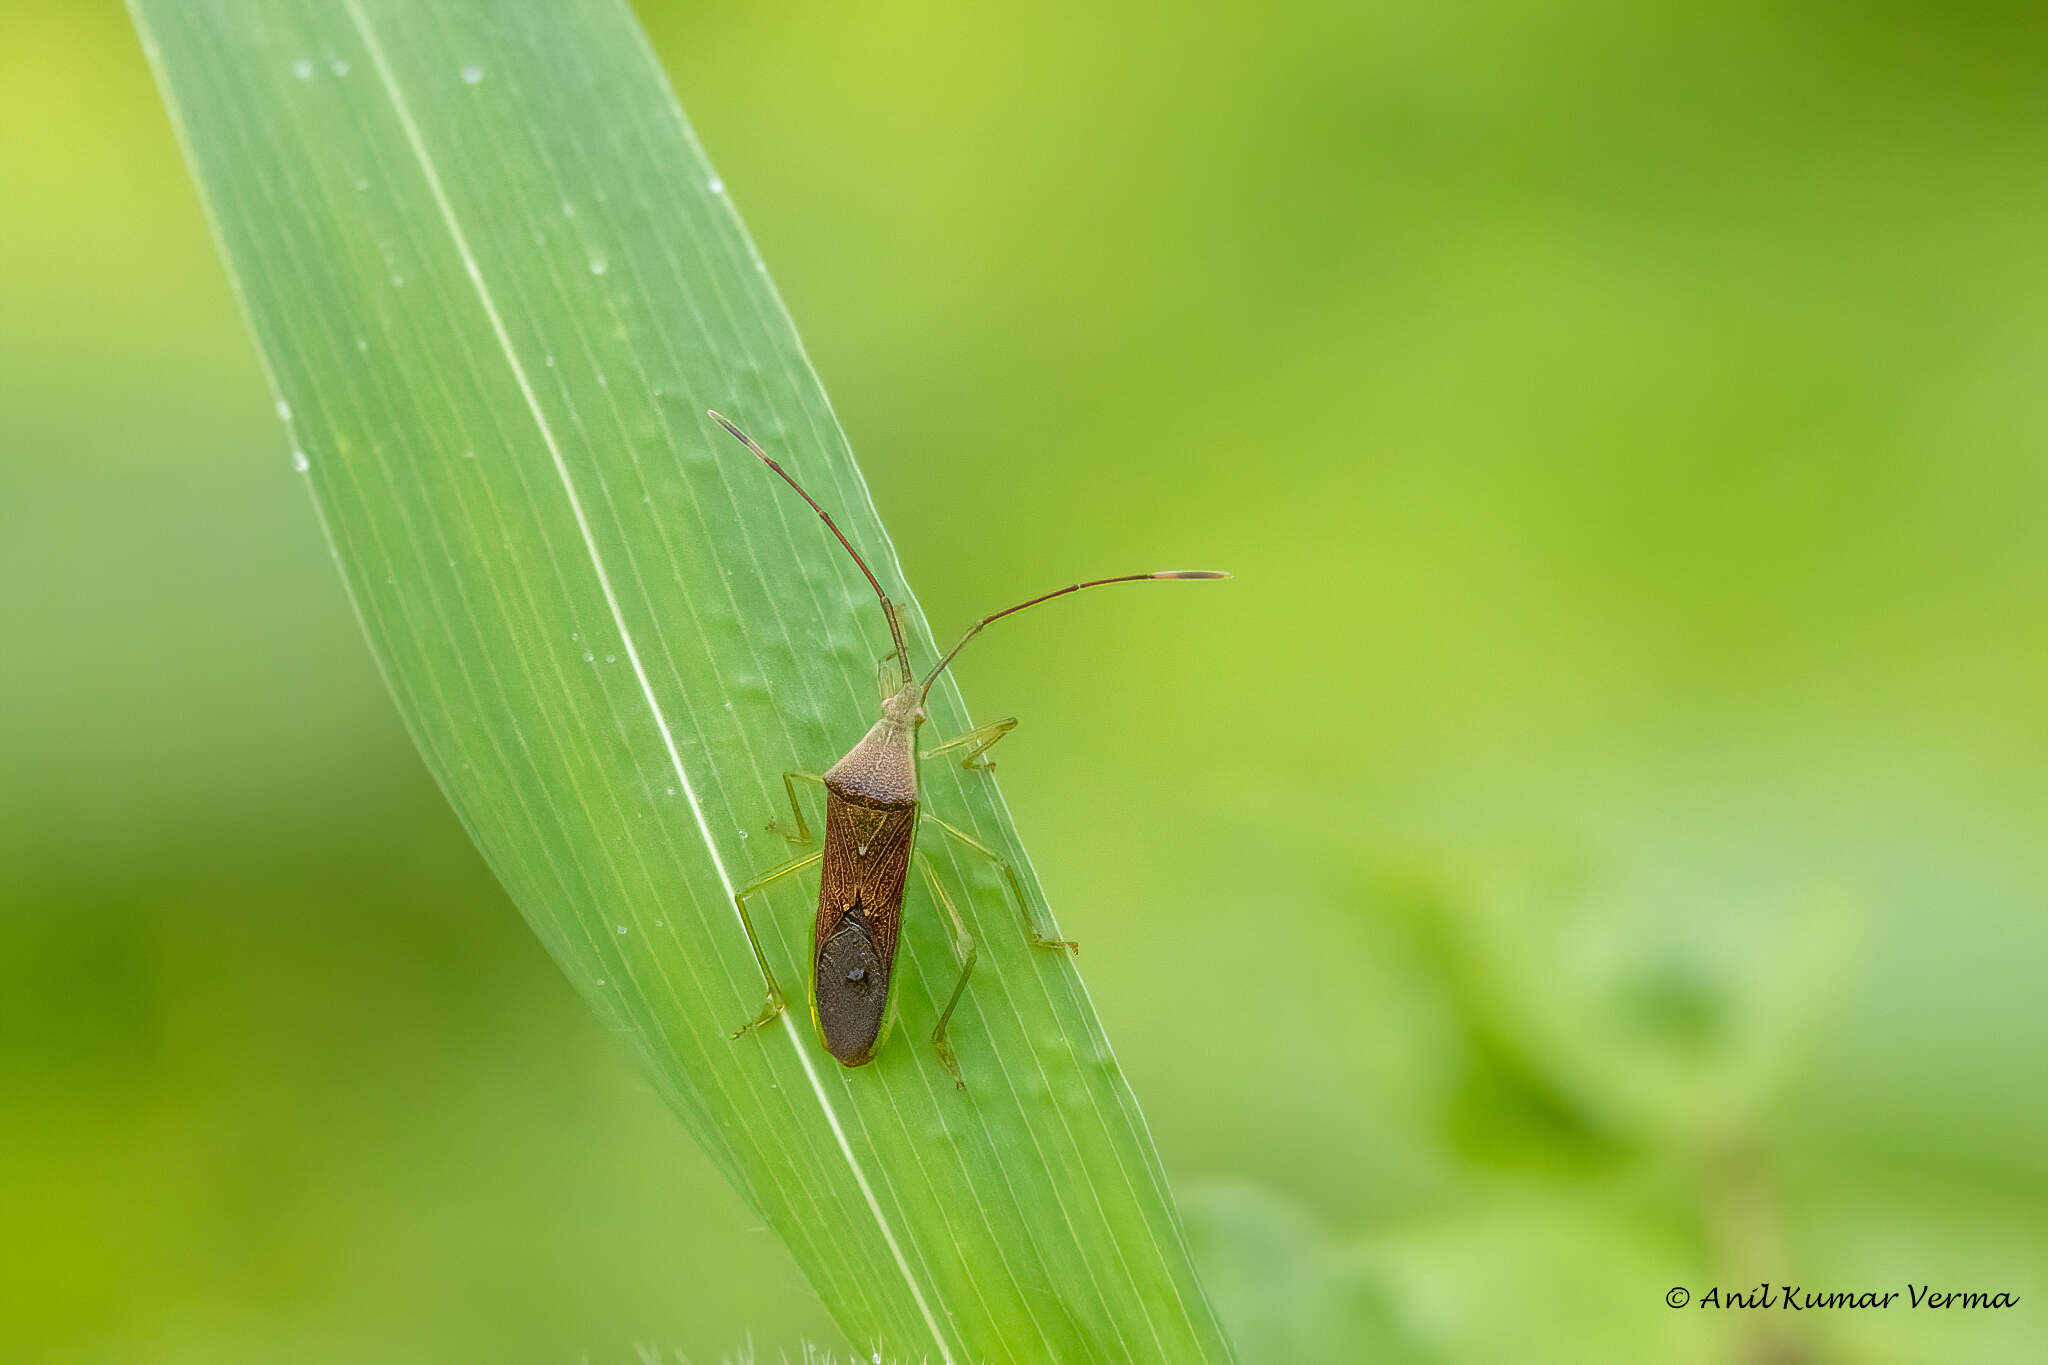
(871, 824)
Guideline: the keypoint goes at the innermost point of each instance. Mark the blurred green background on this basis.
(1596, 845)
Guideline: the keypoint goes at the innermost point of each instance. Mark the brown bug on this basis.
(871, 822)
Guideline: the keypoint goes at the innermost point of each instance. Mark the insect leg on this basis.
(964, 952)
(773, 1006)
(978, 741)
(789, 781)
(1002, 865)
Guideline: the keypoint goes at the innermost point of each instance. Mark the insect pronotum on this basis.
(871, 824)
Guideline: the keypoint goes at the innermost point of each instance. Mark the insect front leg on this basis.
(977, 742)
(964, 953)
(773, 1006)
(1038, 938)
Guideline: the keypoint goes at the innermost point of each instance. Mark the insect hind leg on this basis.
(964, 953)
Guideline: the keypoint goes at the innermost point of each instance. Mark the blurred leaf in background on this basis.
(1609, 859)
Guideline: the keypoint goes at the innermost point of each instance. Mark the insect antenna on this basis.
(987, 621)
(888, 607)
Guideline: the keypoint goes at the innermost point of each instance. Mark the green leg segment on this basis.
(773, 1006)
(803, 830)
(977, 742)
(1002, 865)
(964, 953)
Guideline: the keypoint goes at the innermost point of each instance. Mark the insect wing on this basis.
(860, 909)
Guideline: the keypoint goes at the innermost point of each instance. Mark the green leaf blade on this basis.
(497, 285)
